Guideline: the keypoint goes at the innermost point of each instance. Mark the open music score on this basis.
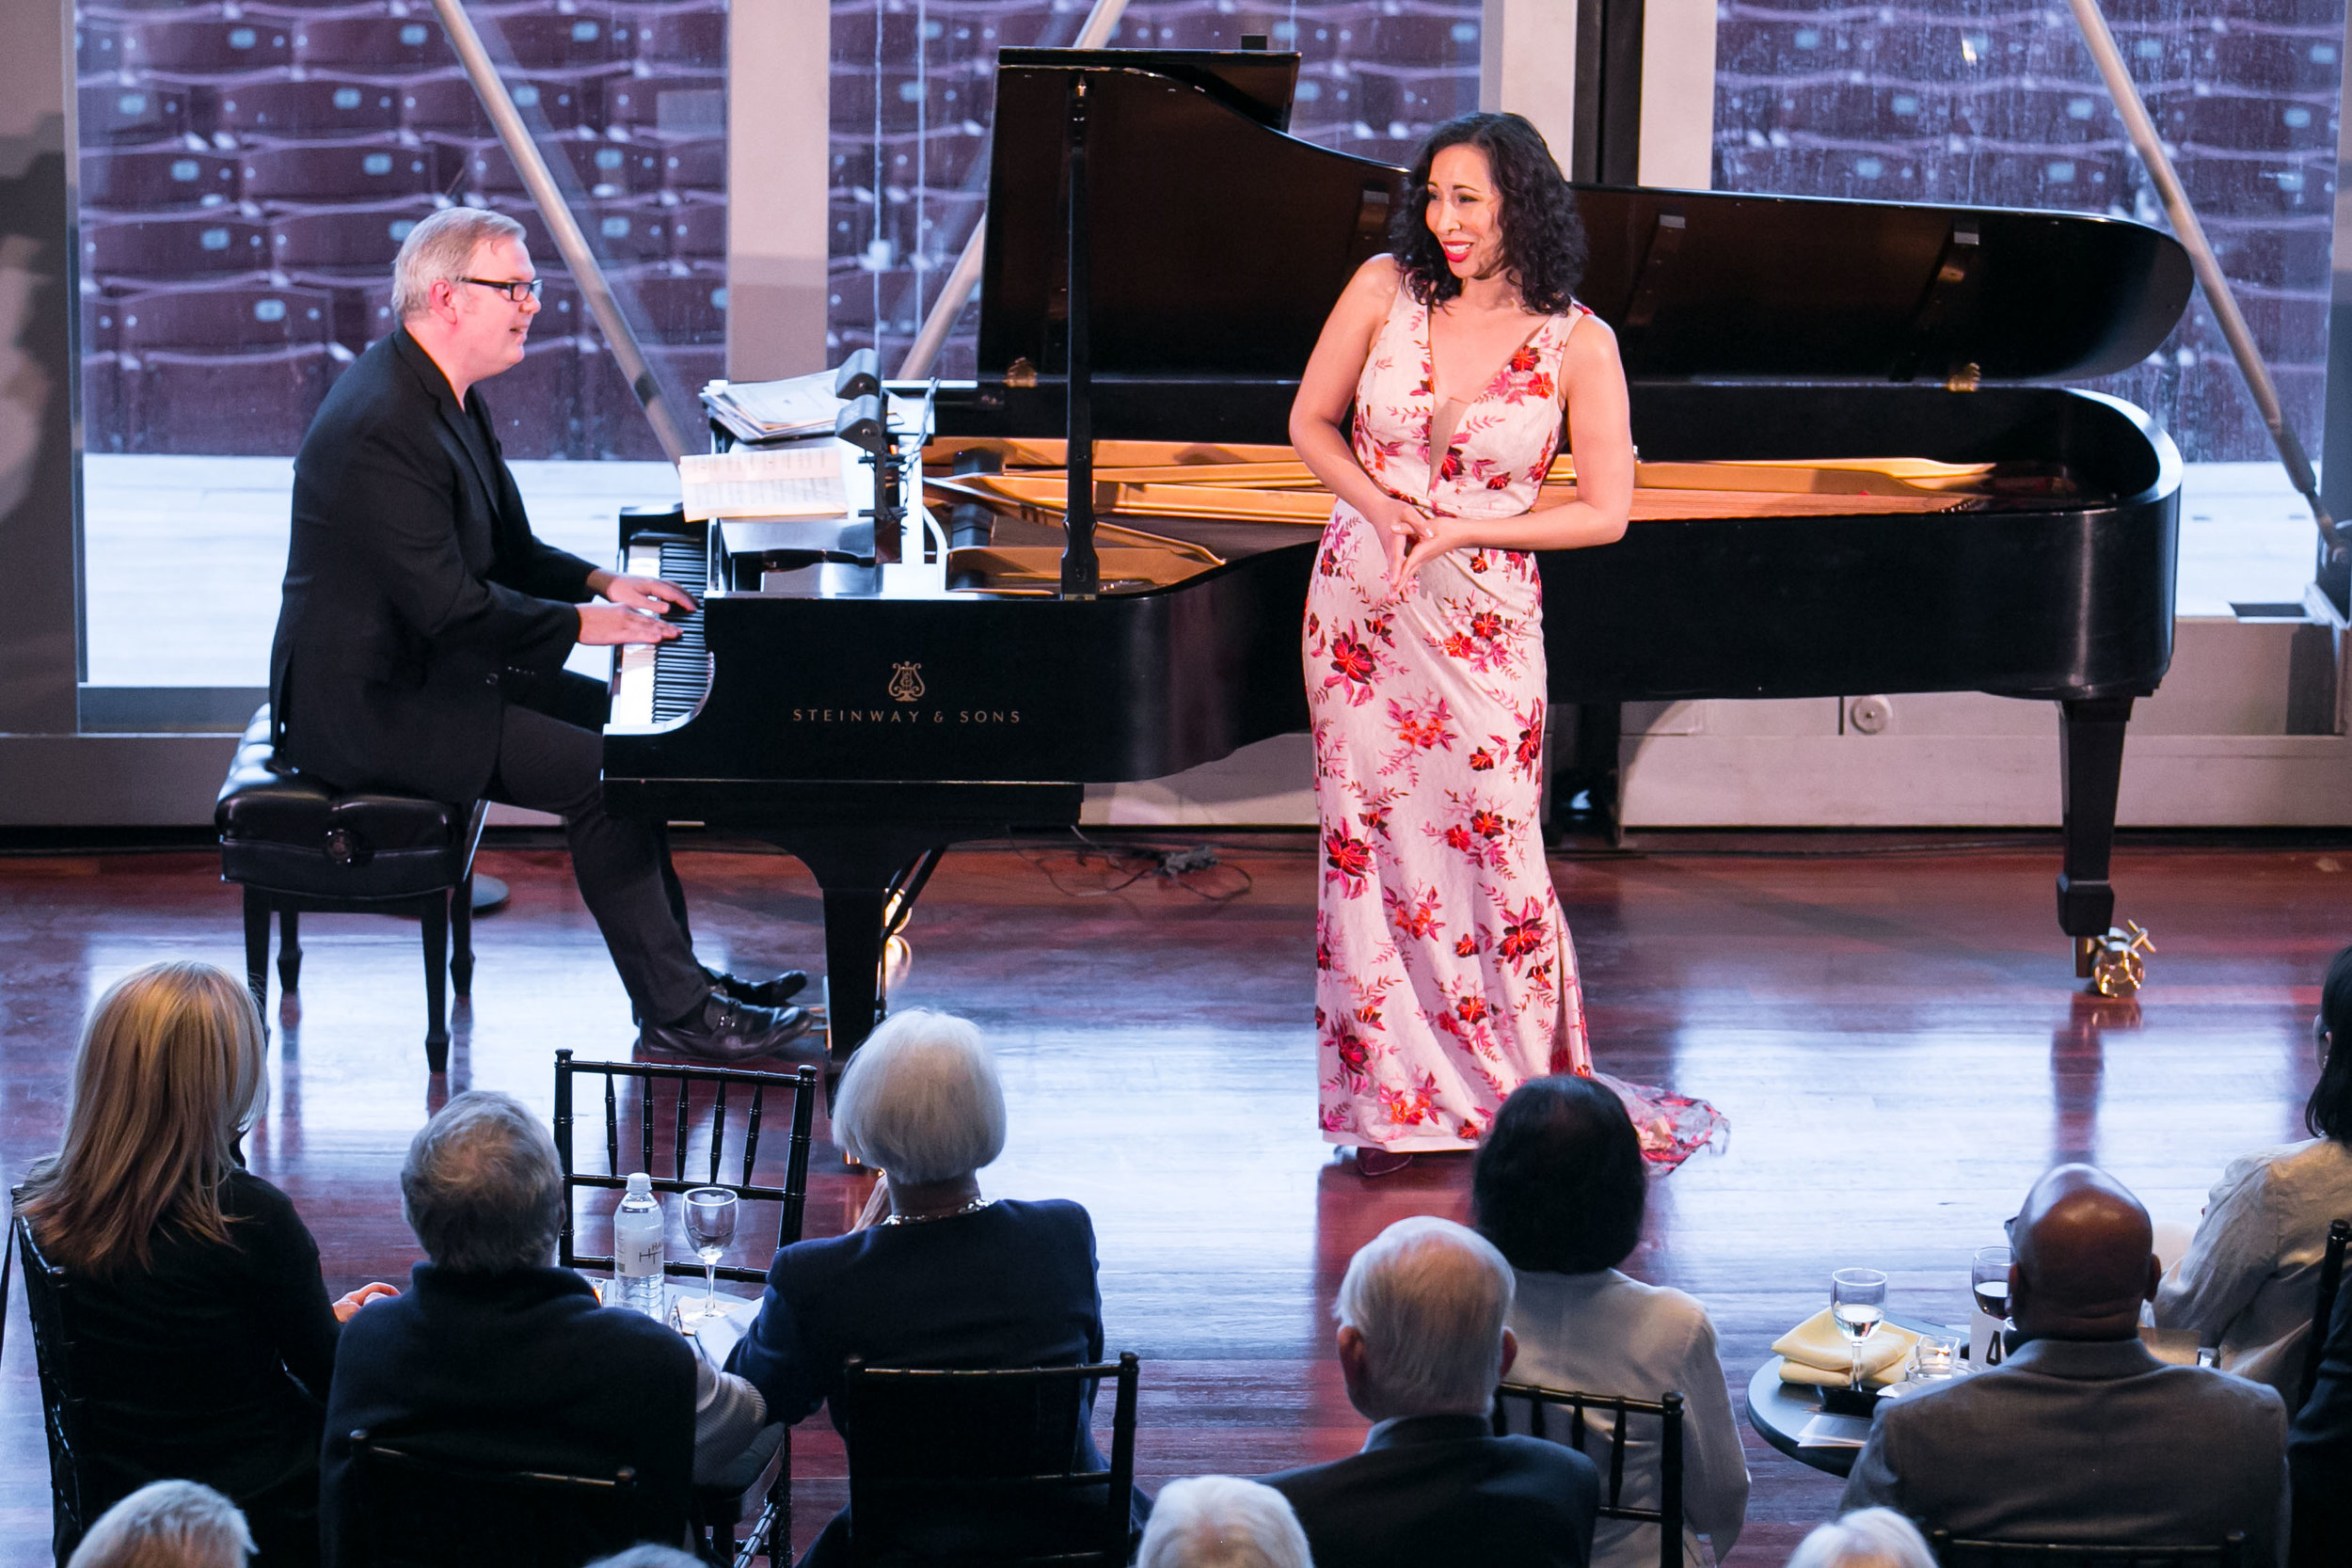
(764, 481)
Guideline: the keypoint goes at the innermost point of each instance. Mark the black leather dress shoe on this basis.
(759, 993)
(729, 1032)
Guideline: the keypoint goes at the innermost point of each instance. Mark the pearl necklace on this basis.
(972, 1208)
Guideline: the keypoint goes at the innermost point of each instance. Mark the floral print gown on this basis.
(1445, 976)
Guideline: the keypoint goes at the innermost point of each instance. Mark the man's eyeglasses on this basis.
(516, 289)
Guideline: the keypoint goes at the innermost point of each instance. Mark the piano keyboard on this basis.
(655, 684)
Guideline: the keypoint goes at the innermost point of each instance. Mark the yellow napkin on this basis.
(1815, 1352)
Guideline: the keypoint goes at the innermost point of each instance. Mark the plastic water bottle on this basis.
(637, 1250)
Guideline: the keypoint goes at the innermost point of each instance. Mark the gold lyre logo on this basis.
(906, 682)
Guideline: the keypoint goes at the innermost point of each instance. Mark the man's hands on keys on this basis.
(636, 613)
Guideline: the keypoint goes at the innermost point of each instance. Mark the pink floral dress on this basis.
(1445, 976)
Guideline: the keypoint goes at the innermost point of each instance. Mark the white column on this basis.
(1527, 65)
(779, 92)
(1677, 93)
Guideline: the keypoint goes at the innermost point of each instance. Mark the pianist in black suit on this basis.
(422, 638)
(1421, 1345)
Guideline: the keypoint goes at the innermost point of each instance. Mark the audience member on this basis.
(498, 1360)
(2250, 1280)
(1559, 1187)
(2319, 1453)
(1422, 1344)
(167, 1524)
(1222, 1522)
(934, 1274)
(2081, 1435)
(1866, 1538)
(203, 1334)
(649, 1557)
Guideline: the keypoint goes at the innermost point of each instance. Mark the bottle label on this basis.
(636, 1252)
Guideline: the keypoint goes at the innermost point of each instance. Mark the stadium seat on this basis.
(372, 41)
(540, 38)
(448, 104)
(236, 318)
(146, 179)
(680, 309)
(690, 37)
(235, 404)
(372, 170)
(120, 113)
(535, 408)
(318, 106)
(101, 322)
(618, 427)
(365, 235)
(603, 168)
(683, 103)
(102, 402)
(97, 46)
(204, 45)
(164, 245)
(693, 163)
(698, 226)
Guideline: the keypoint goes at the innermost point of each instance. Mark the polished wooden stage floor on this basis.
(1897, 1039)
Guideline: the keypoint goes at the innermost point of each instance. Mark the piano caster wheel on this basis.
(897, 959)
(2112, 964)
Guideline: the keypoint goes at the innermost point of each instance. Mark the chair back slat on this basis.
(719, 1132)
(790, 1198)
(2323, 1308)
(1951, 1552)
(48, 1296)
(751, 1129)
(938, 1457)
(1668, 1408)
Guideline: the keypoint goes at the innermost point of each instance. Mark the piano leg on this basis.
(2091, 771)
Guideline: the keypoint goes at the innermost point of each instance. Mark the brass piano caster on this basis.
(897, 959)
(2112, 964)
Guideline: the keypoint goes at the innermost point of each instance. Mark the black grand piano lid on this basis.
(1219, 243)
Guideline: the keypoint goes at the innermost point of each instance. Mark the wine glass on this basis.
(1857, 1304)
(709, 1225)
(1988, 1282)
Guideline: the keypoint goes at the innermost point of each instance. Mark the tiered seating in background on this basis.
(248, 172)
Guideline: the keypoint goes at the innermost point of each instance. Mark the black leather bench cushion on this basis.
(283, 831)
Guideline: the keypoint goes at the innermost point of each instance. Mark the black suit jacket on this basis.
(520, 1371)
(416, 596)
(2319, 1453)
(1435, 1489)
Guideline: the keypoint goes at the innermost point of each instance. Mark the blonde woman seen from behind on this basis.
(1866, 1538)
(1222, 1522)
(203, 1334)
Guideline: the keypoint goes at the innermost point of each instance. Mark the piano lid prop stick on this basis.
(1081, 572)
(965, 276)
(2191, 234)
(508, 122)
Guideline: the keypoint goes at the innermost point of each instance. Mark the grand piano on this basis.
(1061, 611)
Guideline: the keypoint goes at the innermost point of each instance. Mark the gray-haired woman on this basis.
(945, 1278)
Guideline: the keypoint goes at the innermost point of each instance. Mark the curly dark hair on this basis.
(2328, 1111)
(1543, 235)
(1559, 1185)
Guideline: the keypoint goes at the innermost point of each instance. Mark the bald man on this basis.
(2081, 1435)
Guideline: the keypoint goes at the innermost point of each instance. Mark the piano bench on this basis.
(293, 845)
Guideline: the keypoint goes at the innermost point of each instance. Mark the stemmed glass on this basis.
(1988, 1282)
(709, 1225)
(1857, 1304)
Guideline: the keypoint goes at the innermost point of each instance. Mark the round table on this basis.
(1779, 1411)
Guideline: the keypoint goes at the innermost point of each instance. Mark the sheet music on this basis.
(788, 482)
(799, 405)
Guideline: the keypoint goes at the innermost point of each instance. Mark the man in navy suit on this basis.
(1421, 1345)
(423, 629)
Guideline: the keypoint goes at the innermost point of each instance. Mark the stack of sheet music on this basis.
(774, 410)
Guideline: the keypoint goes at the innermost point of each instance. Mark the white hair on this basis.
(920, 1099)
(483, 1187)
(167, 1524)
(439, 248)
(1866, 1538)
(1430, 1297)
(1222, 1522)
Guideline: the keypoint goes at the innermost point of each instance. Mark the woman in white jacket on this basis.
(1558, 1186)
(2250, 1279)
